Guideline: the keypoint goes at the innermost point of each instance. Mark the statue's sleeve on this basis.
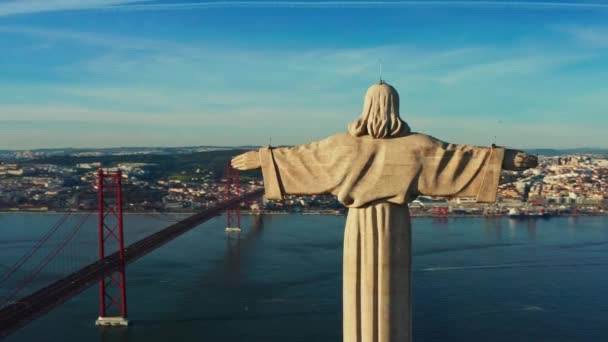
(310, 169)
(450, 170)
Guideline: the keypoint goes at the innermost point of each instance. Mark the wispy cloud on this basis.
(183, 92)
(170, 75)
(365, 4)
(530, 133)
(15, 7)
(512, 67)
(594, 37)
(83, 38)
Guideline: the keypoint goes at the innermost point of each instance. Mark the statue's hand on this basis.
(518, 161)
(246, 161)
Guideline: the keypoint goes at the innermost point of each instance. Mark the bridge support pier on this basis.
(111, 321)
(111, 240)
(233, 178)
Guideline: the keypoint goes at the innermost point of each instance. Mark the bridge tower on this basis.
(233, 215)
(113, 287)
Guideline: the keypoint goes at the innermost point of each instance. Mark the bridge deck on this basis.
(33, 306)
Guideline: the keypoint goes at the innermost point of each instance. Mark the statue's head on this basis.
(380, 117)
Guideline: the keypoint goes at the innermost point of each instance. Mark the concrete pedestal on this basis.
(112, 321)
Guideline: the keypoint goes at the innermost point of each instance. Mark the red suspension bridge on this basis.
(22, 301)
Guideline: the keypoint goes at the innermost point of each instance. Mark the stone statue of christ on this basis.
(375, 169)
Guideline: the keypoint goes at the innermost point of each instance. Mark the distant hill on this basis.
(175, 160)
(561, 152)
(74, 150)
(166, 165)
(204, 148)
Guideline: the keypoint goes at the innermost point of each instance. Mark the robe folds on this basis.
(375, 179)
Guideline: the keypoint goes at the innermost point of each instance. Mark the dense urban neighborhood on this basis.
(189, 180)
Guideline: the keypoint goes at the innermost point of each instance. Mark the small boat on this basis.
(543, 214)
(516, 214)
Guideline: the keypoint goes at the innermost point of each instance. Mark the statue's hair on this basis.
(380, 117)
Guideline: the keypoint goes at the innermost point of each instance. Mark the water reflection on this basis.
(529, 224)
(493, 228)
(113, 334)
(531, 228)
(261, 285)
(238, 246)
(232, 259)
(441, 221)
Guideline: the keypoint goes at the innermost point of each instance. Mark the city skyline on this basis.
(109, 73)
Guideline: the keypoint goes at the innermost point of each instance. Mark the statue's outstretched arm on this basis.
(318, 167)
(467, 171)
(247, 161)
(516, 160)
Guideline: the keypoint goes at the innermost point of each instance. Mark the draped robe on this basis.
(375, 179)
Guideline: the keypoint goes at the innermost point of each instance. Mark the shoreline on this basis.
(189, 213)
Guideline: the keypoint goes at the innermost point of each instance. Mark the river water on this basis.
(475, 279)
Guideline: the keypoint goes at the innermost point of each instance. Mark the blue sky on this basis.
(103, 73)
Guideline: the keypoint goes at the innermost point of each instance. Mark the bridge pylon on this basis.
(233, 190)
(113, 287)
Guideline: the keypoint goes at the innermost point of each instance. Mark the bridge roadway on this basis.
(25, 310)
